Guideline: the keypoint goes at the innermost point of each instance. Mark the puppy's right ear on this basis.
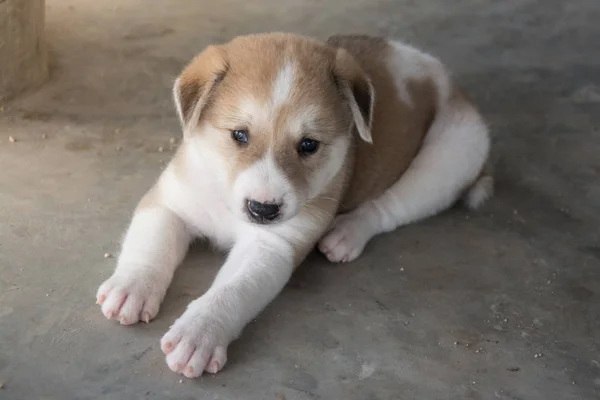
(196, 84)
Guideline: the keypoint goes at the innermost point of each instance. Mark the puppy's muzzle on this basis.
(263, 213)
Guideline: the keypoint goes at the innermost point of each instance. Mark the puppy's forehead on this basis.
(279, 84)
(278, 68)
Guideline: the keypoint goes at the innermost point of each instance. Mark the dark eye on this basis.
(240, 135)
(308, 147)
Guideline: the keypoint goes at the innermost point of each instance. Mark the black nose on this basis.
(263, 211)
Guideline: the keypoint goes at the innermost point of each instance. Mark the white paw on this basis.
(132, 297)
(196, 342)
(346, 240)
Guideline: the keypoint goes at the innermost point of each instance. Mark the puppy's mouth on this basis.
(263, 213)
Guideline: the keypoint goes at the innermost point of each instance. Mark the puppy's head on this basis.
(275, 115)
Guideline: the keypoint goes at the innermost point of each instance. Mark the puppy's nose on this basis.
(267, 211)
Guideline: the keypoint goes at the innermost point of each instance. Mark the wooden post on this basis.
(23, 53)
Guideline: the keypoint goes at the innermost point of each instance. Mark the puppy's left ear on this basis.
(196, 84)
(356, 87)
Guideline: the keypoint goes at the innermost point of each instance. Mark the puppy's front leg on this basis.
(154, 245)
(256, 270)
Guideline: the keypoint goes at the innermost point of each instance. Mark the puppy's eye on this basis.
(240, 135)
(308, 147)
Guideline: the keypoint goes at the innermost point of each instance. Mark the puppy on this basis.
(281, 133)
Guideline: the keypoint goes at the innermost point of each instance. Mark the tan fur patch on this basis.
(398, 129)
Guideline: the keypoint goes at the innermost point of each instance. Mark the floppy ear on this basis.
(195, 85)
(356, 87)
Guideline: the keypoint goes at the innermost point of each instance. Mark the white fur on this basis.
(452, 155)
(451, 158)
(258, 267)
(265, 182)
(154, 245)
(283, 85)
(409, 63)
(202, 203)
(478, 194)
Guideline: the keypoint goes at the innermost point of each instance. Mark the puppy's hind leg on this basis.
(450, 165)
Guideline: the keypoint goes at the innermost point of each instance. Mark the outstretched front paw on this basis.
(196, 342)
(132, 297)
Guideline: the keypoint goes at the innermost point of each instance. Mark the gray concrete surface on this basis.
(498, 304)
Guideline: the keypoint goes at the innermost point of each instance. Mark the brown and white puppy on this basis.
(281, 134)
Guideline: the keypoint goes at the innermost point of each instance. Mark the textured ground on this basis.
(499, 304)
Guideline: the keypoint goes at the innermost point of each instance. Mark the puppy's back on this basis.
(407, 93)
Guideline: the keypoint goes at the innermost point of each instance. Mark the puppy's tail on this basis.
(481, 190)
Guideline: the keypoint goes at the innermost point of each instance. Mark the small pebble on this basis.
(401, 269)
(44, 136)
(1, 385)
(161, 149)
(107, 255)
(172, 140)
(11, 139)
(119, 148)
(181, 381)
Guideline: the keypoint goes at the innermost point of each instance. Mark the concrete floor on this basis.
(499, 304)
